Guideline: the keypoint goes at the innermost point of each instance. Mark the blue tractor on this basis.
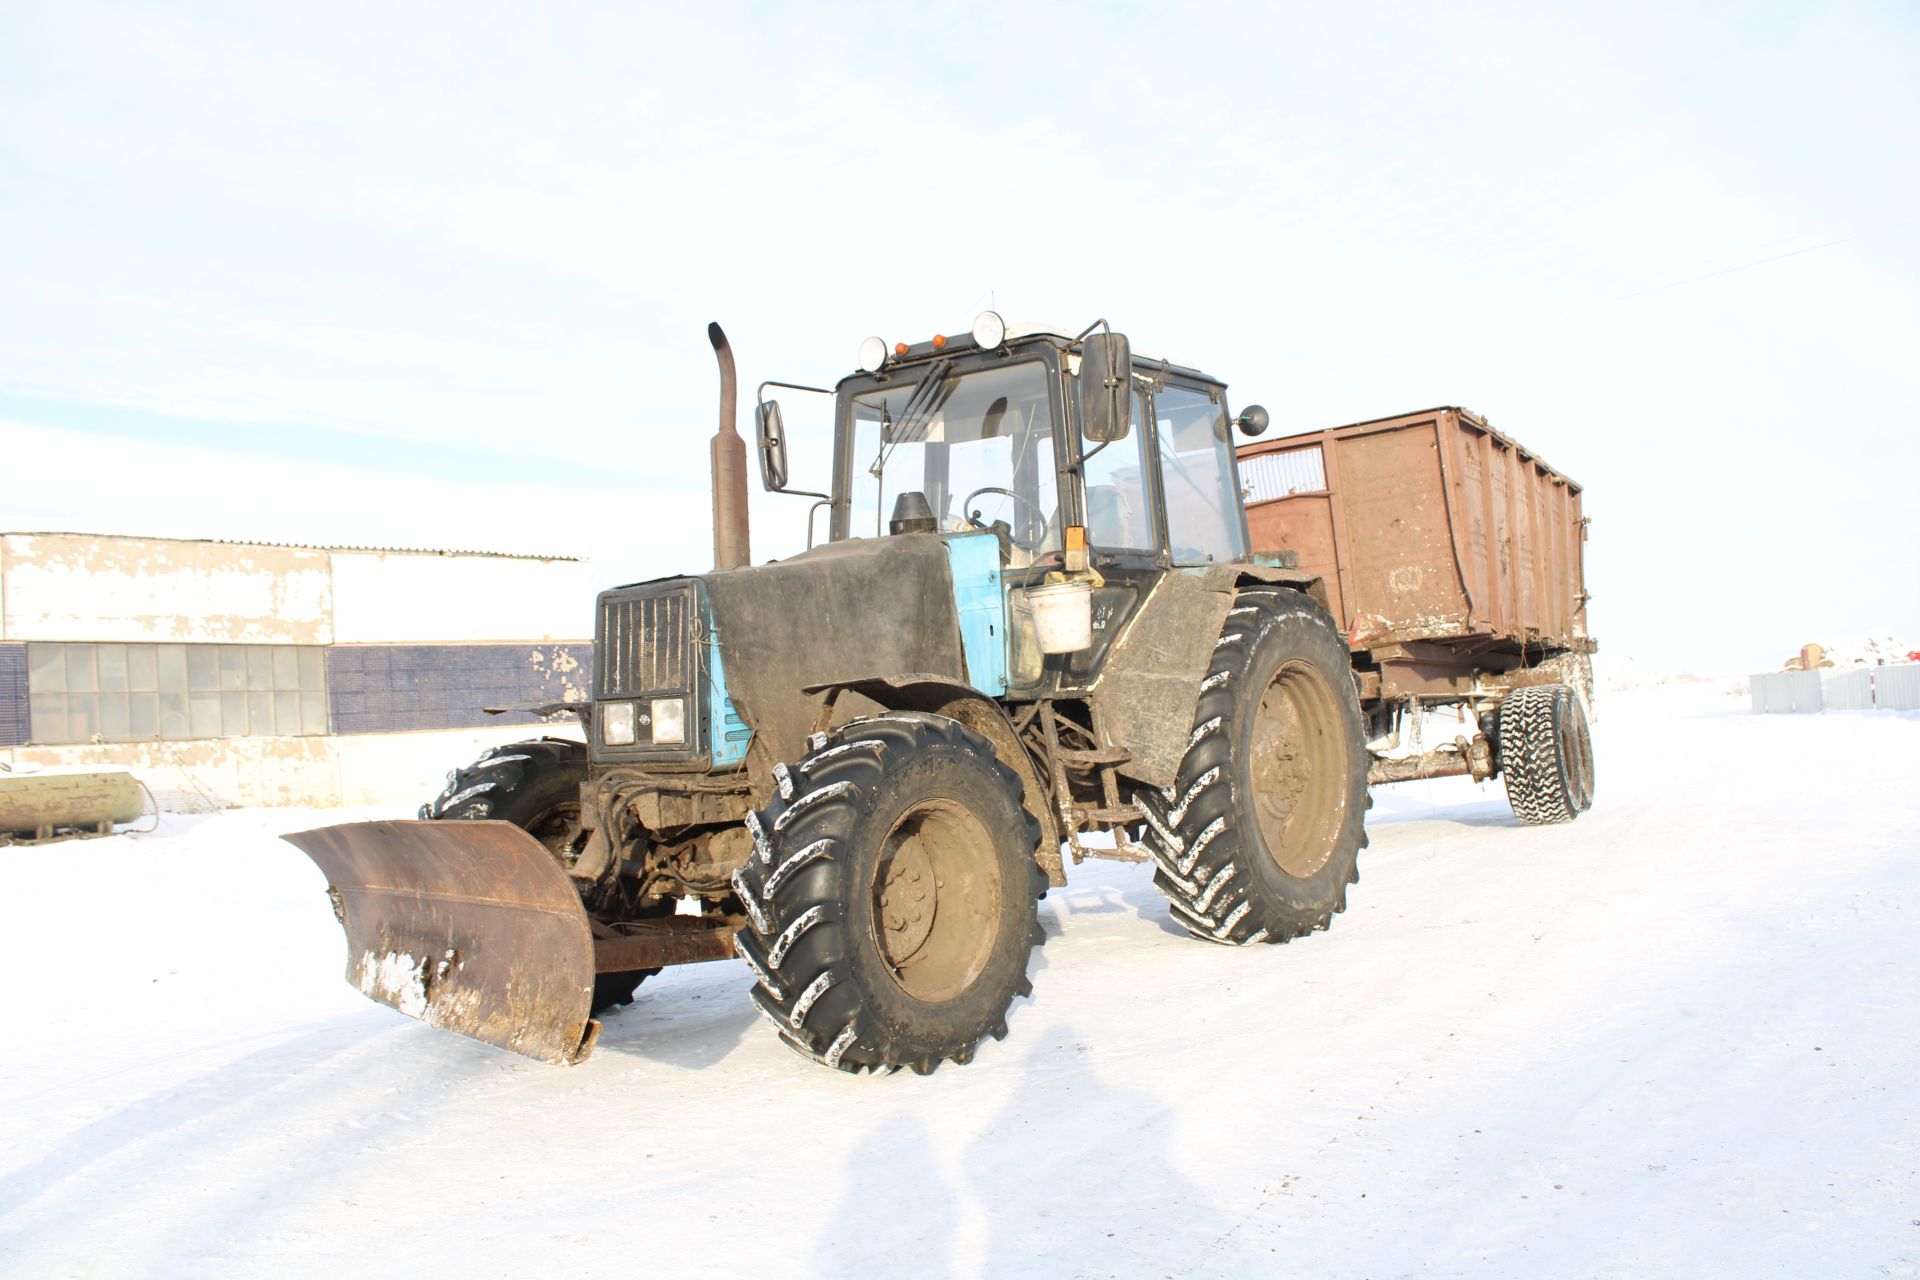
(1033, 634)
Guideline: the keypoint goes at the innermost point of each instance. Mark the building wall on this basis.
(13, 694)
(66, 586)
(384, 597)
(397, 688)
(411, 768)
(415, 645)
(367, 769)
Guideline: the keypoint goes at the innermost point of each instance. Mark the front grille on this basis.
(643, 643)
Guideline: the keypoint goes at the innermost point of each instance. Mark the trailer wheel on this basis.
(535, 786)
(1546, 753)
(891, 896)
(1259, 836)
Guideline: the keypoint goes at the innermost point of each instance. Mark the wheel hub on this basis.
(1294, 763)
(907, 901)
(936, 900)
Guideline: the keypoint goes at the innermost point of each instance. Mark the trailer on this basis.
(1453, 562)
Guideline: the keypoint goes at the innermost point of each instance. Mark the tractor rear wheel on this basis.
(1259, 836)
(535, 786)
(891, 895)
(1546, 753)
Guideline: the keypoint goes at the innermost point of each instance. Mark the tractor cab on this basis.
(1046, 439)
(1085, 462)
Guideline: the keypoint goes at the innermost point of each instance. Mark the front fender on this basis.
(940, 695)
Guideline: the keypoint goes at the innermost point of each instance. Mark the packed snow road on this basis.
(1676, 1038)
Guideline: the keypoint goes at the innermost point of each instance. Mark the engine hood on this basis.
(850, 609)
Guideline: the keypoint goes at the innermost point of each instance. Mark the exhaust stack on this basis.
(730, 549)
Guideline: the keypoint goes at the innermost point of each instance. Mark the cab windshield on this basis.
(978, 444)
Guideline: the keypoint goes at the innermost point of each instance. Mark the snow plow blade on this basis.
(470, 926)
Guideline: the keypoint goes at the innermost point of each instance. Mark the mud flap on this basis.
(470, 926)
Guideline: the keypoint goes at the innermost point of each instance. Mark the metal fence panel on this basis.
(1894, 688)
(1786, 692)
(1850, 690)
(1897, 688)
(1806, 689)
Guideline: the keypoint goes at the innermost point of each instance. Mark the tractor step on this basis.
(1116, 814)
(1092, 759)
(1118, 853)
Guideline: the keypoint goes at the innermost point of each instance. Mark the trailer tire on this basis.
(1260, 835)
(535, 786)
(1546, 753)
(892, 895)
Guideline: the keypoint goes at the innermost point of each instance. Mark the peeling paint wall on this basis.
(401, 597)
(388, 768)
(218, 773)
(60, 586)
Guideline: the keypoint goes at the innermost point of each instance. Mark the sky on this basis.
(439, 275)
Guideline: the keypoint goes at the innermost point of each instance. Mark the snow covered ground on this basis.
(1681, 1037)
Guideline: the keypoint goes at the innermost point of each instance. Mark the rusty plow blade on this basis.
(471, 926)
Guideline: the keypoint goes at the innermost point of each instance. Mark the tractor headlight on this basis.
(669, 719)
(989, 330)
(617, 724)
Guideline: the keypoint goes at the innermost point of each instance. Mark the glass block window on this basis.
(138, 692)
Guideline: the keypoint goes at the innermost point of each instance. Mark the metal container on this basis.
(44, 804)
(1430, 528)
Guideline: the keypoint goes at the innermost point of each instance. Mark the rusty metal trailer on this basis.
(1453, 559)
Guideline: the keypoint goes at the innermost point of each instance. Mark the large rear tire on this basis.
(1260, 835)
(536, 786)
(1546, 753)
(892, 896)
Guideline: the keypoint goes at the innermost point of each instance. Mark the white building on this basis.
(226, 673)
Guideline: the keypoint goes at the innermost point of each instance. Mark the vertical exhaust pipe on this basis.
(730, 549)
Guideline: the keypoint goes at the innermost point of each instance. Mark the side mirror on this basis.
(1106, 387)
(773, 447)
(1252, 420)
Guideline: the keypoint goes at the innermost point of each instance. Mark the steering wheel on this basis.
(1031, 506)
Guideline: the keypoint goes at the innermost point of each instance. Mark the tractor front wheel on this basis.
(891, 895)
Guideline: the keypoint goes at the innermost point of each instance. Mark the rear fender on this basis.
(1229, 576)
(938, 695)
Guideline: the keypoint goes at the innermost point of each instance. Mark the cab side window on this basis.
(1196, 472)
(1119, 510)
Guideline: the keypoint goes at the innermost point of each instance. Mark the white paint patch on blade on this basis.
(395, 978)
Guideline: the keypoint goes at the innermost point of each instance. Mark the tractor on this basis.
(1034, 633)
